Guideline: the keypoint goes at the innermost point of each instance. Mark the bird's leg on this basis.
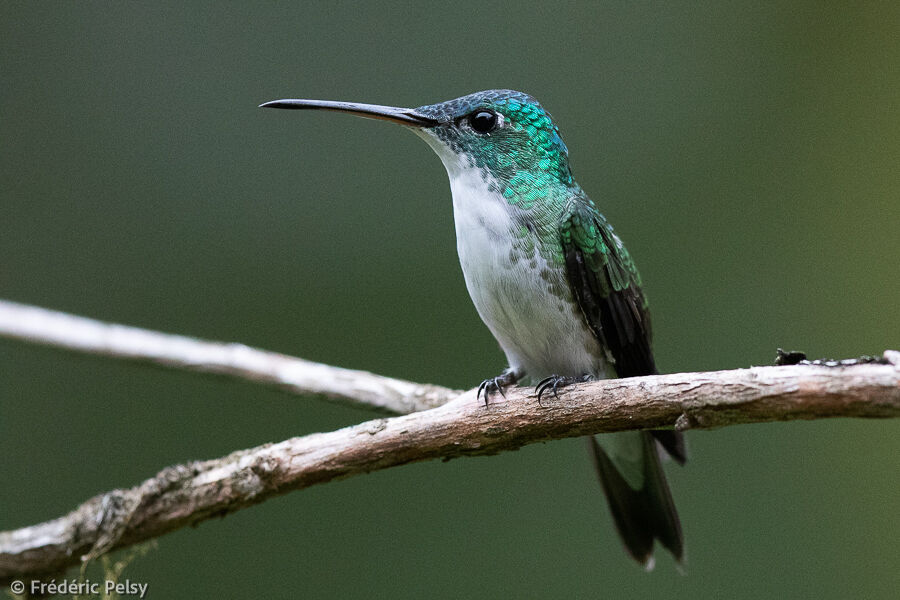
(496, 384)
(554, 382)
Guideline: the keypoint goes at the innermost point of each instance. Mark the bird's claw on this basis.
(487, 386)
(554, 382)
(546, 383)
(495, 384)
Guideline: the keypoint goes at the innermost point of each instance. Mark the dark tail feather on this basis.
(673, 442)
(645, 514)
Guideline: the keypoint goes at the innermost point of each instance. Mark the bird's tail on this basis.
(628, 465)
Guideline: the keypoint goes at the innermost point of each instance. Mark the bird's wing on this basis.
(607, 287)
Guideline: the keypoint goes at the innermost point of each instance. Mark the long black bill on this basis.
(403, 116)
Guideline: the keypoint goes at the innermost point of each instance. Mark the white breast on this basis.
(541, 333)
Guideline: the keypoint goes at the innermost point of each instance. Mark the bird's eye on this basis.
(483, 121)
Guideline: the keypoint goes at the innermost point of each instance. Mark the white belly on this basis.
(542, 333)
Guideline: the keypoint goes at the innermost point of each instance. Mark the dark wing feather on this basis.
(607, 287)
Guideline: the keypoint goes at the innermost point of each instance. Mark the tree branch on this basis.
(295, 375)
(190, 493)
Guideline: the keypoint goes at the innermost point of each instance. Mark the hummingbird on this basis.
(550, 279)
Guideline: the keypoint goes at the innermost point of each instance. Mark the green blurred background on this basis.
(747, 153)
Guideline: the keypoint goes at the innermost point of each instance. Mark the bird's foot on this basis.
(496, 384)
(554, 382)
